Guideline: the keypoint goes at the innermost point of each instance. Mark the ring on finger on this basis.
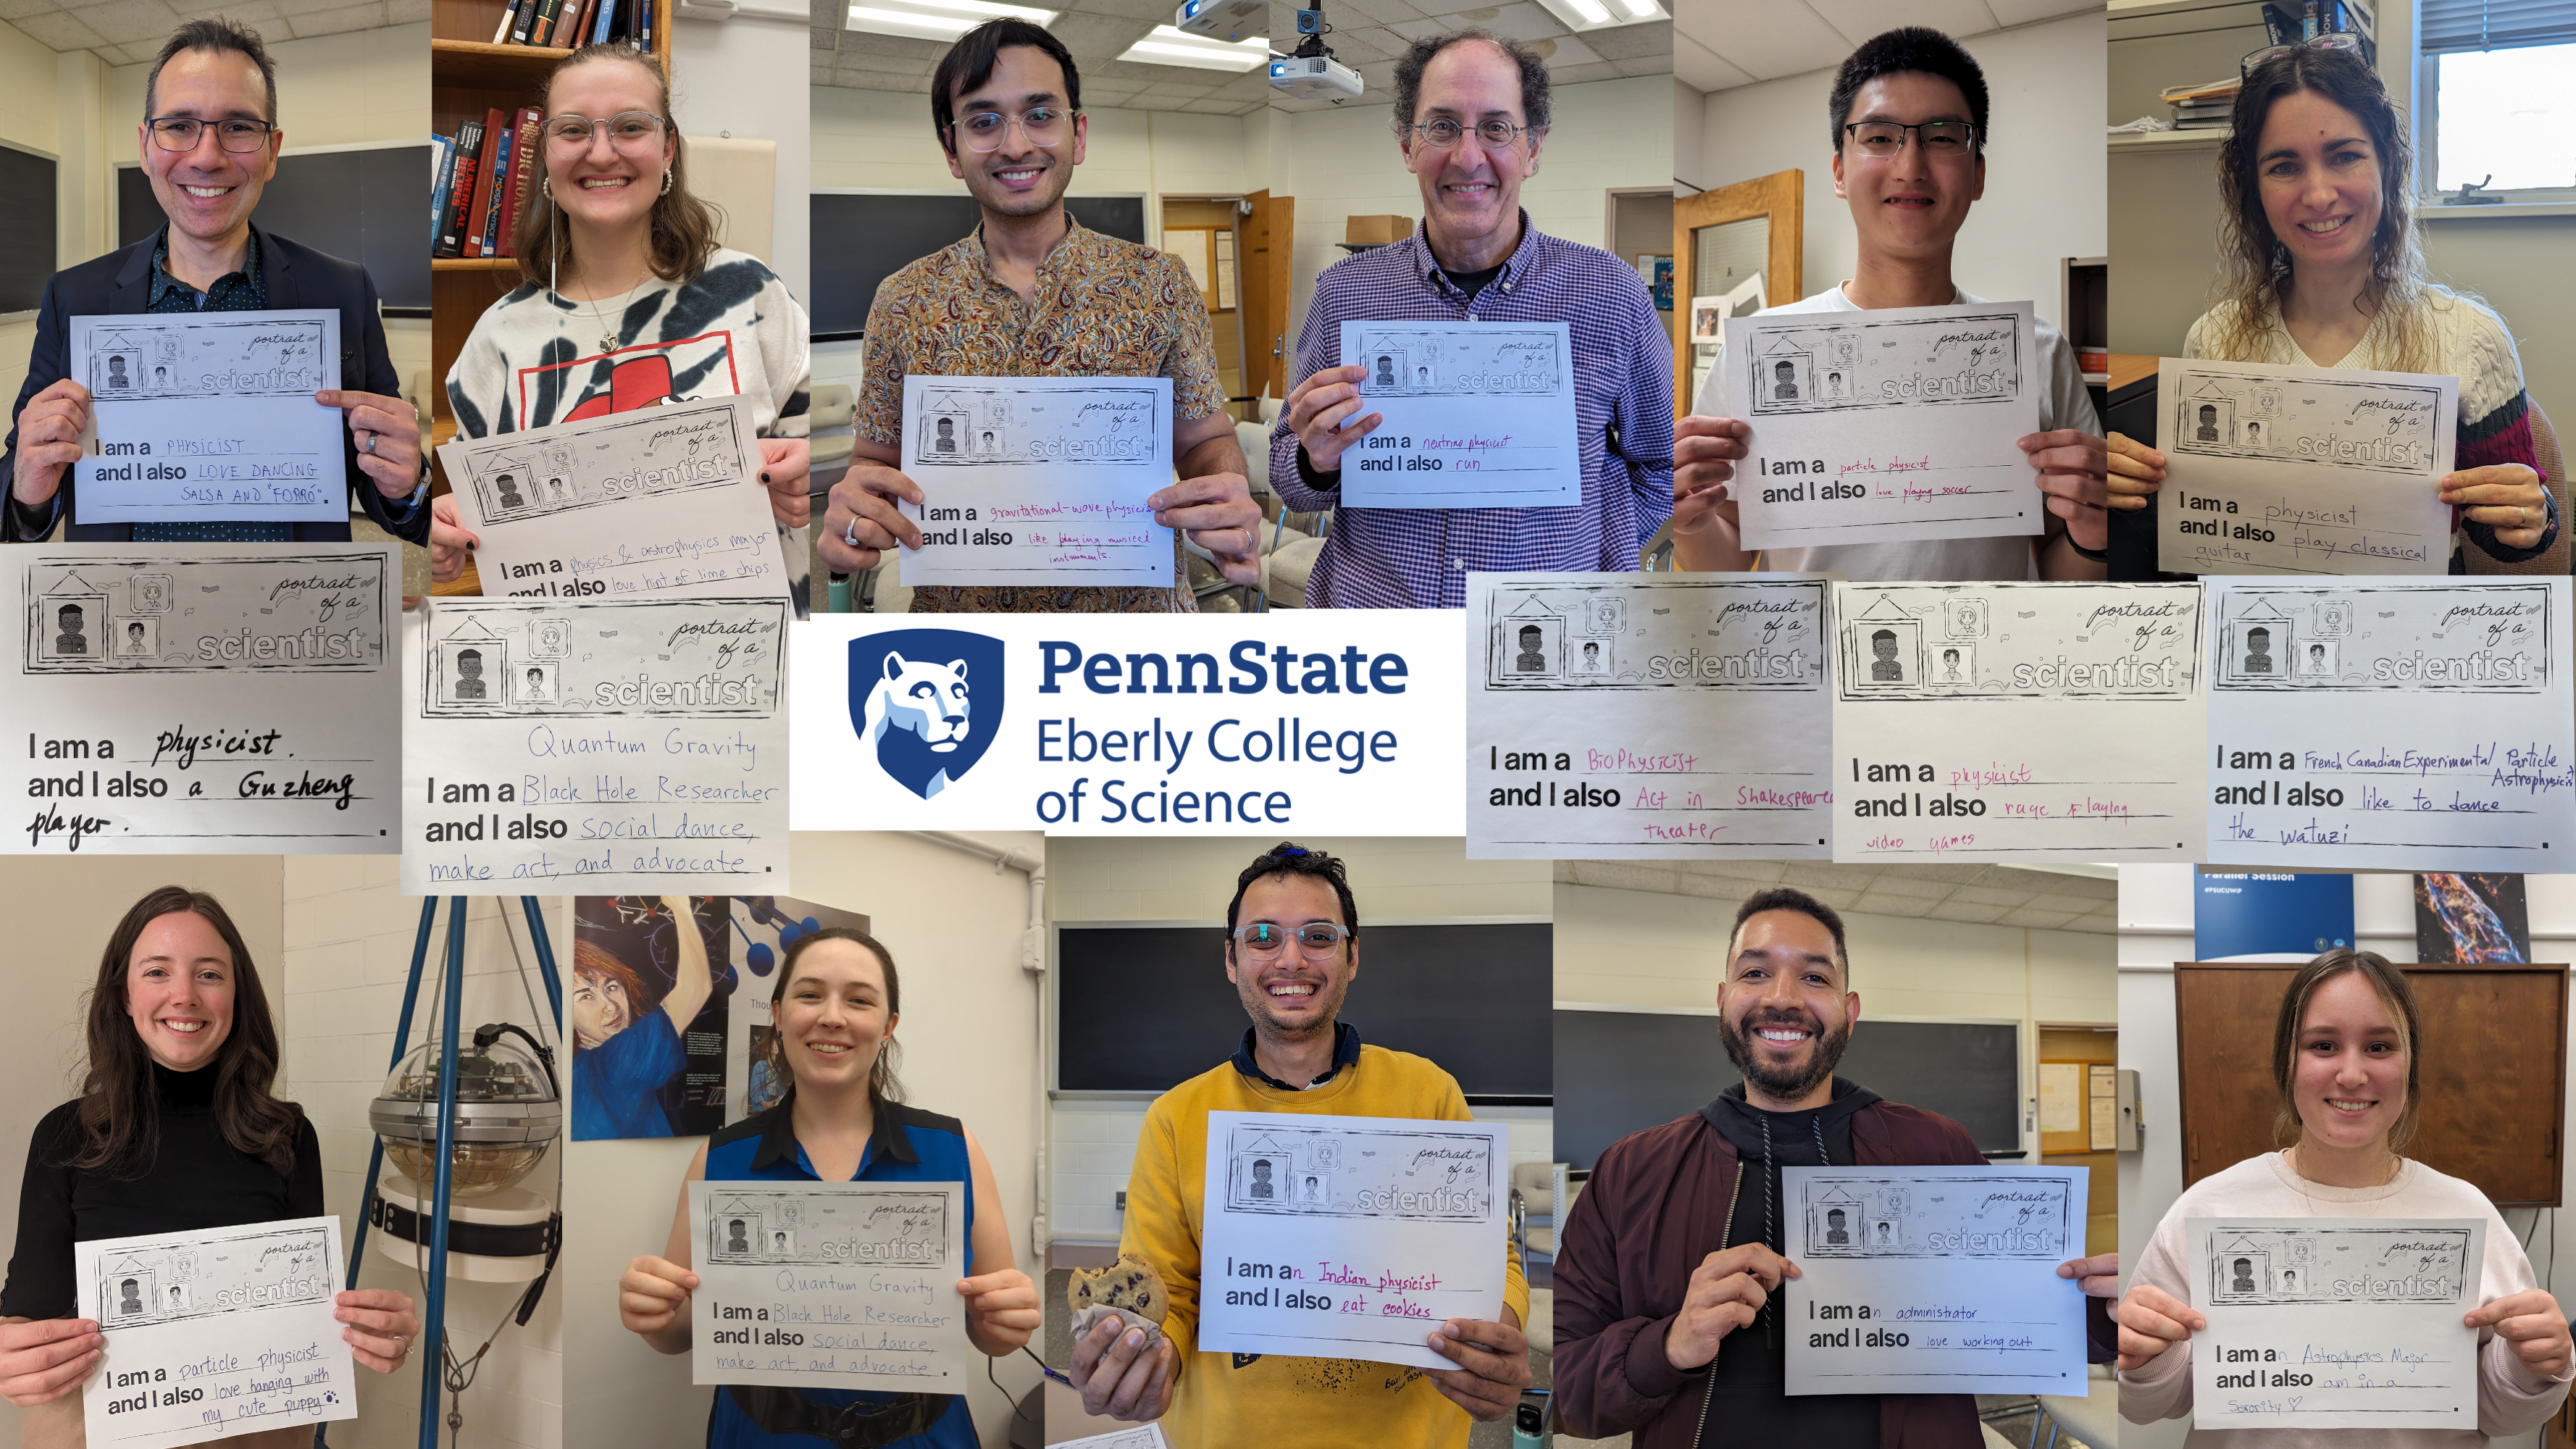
(850, 535)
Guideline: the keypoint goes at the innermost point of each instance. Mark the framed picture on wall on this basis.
(1657, 269)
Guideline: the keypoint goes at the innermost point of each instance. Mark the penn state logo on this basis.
(927, 703)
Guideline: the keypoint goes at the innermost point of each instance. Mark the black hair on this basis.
(1909, 48)
(969, 63)
(1790, 898)
(1535, 106)
(215, 33)
(1289, 859)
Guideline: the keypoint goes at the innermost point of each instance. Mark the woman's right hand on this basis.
(45, 1358)
(2137, 471)
(2151, 1321)
(449, 543)
(652, 1294)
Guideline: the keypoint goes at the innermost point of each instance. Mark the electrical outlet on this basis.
(1122, 1199)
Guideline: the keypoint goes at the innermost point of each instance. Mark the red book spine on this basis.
(522, 177)
(488, 164)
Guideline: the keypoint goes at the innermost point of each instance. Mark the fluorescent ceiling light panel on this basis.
(937, 19)
(1165, 45)
(1582, 15)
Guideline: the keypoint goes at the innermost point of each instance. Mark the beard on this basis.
(1825, 1052)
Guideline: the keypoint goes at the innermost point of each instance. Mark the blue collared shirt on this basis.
(1623, 413)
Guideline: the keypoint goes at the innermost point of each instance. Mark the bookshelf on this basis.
(469, 75)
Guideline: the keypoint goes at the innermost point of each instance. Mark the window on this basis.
(2501, 111)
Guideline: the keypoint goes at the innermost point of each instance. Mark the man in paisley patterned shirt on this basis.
(1032, 293)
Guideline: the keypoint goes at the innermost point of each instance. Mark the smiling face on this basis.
(179, 990)
(1908, 205)
(601, 1008)
(1017, 178)
(1783, 1012)
(2349, 1078)
(599, 185)
(832, 1016)
(2319, 178)
(1470, 194)
(1291, 996)
(208, 193)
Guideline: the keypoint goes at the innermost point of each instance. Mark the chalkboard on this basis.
(26, 228)
(1619, 1072)
(370, 207)
(1145, 1008)
(870, 238)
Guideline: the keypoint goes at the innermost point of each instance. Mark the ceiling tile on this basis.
(1990, 896)
(2022, 12)
(58, 31)
(1858, 20)
(2037, 920)
(123, 22)
(1962, 911)
(1767, 38)
(1900, 885)
(19, 9)
(1632, 42)
(1643, 65)
(1103, 36)
(1626, 875)
(1702, 69)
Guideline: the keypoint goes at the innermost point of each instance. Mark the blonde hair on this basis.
(684, 226)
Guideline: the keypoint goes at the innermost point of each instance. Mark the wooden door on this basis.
(1267, 234)
(2492, 1078)
(1760, 218)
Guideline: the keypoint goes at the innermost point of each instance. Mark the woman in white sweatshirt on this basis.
(2344, 1054)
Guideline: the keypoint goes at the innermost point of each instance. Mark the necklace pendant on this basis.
(608, 342)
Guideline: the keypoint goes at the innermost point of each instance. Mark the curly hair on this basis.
(1536, 108)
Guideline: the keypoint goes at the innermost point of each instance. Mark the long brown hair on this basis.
(2254, 264)
(883, 1085)
(119, 1112)
(684, 226)
(2395, 992)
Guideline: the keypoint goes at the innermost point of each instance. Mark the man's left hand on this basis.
(393, 460)
(1496, 1366)
(1217, 512)
(785, 464)
(2099, 1274)
(2074, 470)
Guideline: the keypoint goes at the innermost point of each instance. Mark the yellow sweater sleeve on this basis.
(1160, 1228)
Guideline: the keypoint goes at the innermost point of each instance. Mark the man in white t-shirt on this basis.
(1907, 208)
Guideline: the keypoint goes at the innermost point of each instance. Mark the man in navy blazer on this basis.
(210, 141)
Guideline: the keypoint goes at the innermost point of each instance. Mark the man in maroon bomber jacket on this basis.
(1667, 1272)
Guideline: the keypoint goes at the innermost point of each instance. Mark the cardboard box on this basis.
(1376, 230)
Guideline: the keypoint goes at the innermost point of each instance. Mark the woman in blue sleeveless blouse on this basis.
(834, 1007)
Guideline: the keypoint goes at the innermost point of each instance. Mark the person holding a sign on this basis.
(1034, 293)
(1471, 114)
(835, 1006)
(626, 300)
(1909, 134)
(174, 1131)
(2346, 1069)
(1292, 951)
(209, 141)
(1668, 1276)
(2323, 266)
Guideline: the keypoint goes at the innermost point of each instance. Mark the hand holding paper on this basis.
(1037, 481)
(844, 1285)
(211, 415)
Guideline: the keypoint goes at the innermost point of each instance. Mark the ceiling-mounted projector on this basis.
(1305, 76)
(1223, 19)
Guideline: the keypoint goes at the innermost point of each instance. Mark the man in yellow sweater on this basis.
(1292, 951)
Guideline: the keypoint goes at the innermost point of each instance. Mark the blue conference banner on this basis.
(2237, 914)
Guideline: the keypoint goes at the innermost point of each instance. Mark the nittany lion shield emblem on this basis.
(926, 702)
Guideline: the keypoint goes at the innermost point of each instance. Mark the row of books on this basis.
(484, 172)
(565, 24)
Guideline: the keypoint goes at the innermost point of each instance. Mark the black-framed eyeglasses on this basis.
(1317, 940)
(1044, 126)
(1493, 133)
(2331, 40)
(630, 133)
(236, 134)
(1883, 140)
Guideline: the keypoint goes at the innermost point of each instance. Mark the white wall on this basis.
(969, 1033)
(2155, 932)
(2045, 174)
(349, 935)
(1091, 1145)
(1651, 948)
(1608, 135)
(53, 959)
(745, 77)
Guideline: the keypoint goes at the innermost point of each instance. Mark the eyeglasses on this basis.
(181, 133)
(2331, 40)
(1316, 939)
(1884, 140)
(630, 133)
(1044, 126)
(1493, 134)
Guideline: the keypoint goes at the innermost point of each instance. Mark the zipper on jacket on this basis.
(1700, 1430)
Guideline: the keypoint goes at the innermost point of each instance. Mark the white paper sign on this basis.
(209, 416)
(2303, 470)
(202, 699)
(214, 1333)
(2335, 1323)
(833, 1285)
(1143, 1436)
(2017, 722)
(1038, 481)
(1349, 1237)
(666, 501)
(2391, 724)
(1902, 423)
(1934, 1280)
(1477, 415)
(609, 747)
(1648, 716)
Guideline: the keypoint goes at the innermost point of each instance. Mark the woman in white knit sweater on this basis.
(2344, 1058)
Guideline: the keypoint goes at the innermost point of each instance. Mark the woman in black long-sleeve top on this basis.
(174, 1131)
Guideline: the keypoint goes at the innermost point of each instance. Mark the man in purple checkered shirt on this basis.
(1471, 112)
